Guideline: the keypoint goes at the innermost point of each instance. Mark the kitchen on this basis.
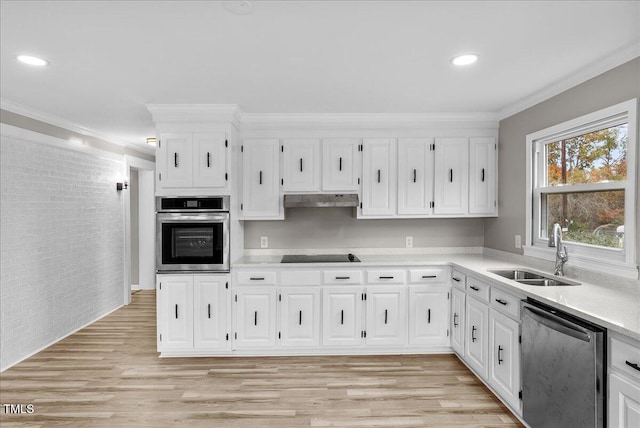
(394, 242)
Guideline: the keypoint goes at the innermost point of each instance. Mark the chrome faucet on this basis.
(555, 240)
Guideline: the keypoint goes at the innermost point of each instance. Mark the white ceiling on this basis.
(108, 59)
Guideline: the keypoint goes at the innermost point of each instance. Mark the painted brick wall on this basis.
(61, 244)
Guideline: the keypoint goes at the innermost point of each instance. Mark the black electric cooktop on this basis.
(319, 258)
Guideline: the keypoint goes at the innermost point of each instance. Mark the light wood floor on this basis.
(109, 375)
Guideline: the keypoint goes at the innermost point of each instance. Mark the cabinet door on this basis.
(415, 176)
(211, 300)
(175, 312)
(255, 318)
(300, 316)
(451, 178)
(301, 165)
(429, 315)
(342, 316)
(261, 179)
(477, 338)
(482, 175)
(386, 315)
(457, 320)
(209, 160)
(379, 177)
(339, 166)
(504, 357)
(175, 160)
(624, 402)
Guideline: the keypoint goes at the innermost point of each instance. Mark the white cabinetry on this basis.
(457, 320)
(624, 383)
(415, 176)
(504, 357)
(429, 315)
(340, 169)
(192, 314)
(451, 179)
(386, 315)
(192, 160)
(299, 316)
(261, 196)
(342, 316)
(301, 165)
(255, 321)
(482, 176)
(379, 177)
(477, 336)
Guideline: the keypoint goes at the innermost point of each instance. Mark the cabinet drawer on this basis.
(459, 280)
(505, 303)
(478, 289)
(625, 357)
(256, 278)
(342, 277)
(300, 277)
(427, 275)
(386, 276)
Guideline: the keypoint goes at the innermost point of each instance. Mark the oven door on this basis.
(189, 242)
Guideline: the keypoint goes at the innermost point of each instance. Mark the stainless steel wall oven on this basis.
(192, 234)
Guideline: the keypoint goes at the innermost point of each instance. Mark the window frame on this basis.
(620, 262)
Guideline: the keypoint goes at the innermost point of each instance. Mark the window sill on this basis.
(598, 264)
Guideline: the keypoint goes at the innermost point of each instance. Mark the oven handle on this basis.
(192, 217)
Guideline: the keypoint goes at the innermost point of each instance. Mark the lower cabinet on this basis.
(386, 315)
(504, 357)
(192, 313)
(342, 316)
(457, 320)
(477, 336)
(255, 320)
(624, 382)
(429, 315)
(299, 316)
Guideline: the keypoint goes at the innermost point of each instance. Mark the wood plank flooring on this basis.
(109, 375)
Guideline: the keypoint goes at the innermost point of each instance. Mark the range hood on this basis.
(320, 201)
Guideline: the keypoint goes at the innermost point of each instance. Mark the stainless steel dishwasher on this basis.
(563, 369)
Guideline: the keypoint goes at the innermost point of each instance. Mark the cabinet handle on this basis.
(473, 333)
(176, 311)
(500, 349)
(342, 317)
(208, 160)
(456, 279)
(300, 164)
(300, 318)
(385, 316)
(502, 302)
(385, 277)
(632, 365)
(474, 288)
(451, 176)
(455, 320)
(378, 176)
(428, 316)
(260, 179)
(343, 277)
(340, 165)
(256, 278)
(433, 276)
(482, 178)
(209, 310)
(415, 172)
(175, 159)
(255, 318)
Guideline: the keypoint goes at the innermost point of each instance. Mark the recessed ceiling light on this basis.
(465, 59)
(32, 60)
(239, 7)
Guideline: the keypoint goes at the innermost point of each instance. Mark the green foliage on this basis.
(588, 237)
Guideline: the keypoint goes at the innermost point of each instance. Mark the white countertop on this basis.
(613, 305)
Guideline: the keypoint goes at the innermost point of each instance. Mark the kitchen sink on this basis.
(532, 278)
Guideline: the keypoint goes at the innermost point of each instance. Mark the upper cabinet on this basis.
(192, 160)
(261, 195)
(451, 180)
(482, 175)
(340, 170)
(301, 165)
(415, 176)
(379, 177)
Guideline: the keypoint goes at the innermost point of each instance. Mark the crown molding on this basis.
(594, 69)
(196, 113)
(366, 118)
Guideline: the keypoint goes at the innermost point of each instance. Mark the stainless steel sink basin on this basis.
(532, 278)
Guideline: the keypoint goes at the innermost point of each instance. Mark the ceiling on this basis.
(108, 59)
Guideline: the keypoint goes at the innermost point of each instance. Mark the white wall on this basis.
(146, 230)
(61, 242)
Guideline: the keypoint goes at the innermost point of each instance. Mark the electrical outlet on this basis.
(409, 242)
(518, 241)
(264, 242)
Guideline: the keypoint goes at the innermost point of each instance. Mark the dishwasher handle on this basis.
(557, 323)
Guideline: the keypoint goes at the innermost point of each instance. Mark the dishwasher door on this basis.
(563, 366)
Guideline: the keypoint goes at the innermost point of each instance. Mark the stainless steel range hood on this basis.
(320, 201)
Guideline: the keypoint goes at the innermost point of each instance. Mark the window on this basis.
(581, 174)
